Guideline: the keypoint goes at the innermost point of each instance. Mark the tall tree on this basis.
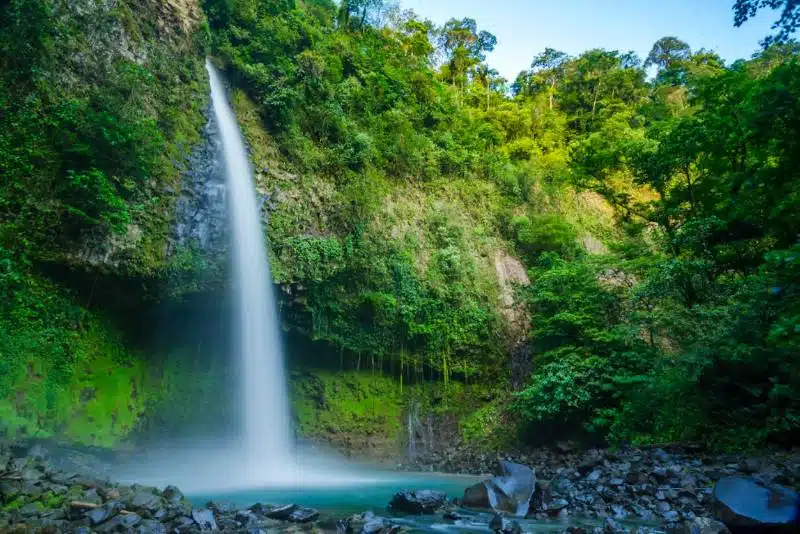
(464, 46)
(549, 67)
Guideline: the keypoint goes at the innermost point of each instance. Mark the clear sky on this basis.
(525, 27)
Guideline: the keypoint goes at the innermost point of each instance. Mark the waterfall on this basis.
(263, 401)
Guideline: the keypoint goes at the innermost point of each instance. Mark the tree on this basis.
(464, 47)
(549, 66)
(786, 25)
(361, 13)
(666, 52)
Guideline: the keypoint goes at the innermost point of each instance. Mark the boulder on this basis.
(103, 513)
(742, 504)
(204, 518)
(476, 496)
(303, 515)
(150, 526)
(418, 501)
(281, 512)
(119, 523)
(172, 494)
(511, 492)
(700, 525)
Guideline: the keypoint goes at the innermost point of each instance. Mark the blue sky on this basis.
(525, 27)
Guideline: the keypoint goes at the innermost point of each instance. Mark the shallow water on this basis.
(338, 501)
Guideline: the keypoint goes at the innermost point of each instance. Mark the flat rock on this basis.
(281, 512)
(742, 503)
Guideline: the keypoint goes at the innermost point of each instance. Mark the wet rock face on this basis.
(201, 209)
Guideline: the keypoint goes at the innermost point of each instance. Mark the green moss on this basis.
(14, 505)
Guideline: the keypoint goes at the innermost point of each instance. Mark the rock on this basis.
(377, 525)
(699, 525)
(183, 524)
(92, 496)
(671, 517)
(476, 496)
(451, 515)
(150, 526)
(418, 501)
(103, 513)
(512, 491)
(109, 494)
(172, 494)
(594, 476)
(303, 515)
(496, 523)
(120, 523)
(591, 460)
(246, 517)
(741, 503)
(562, 487)
(555, 506)
(204, 518)
(145, 502)
(279, 512)
(31, 509)
(612, 527)
(344, 526)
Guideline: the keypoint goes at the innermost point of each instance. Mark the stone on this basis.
(671, 516)
(699, 525)
(376, 526)
(612, 527)
(476, 496)
(451, 515)
(145, 502)
(204, 518)
(91, 495)
(344, 526)
(554, 507)
(496, 523)
(103, 513)
(150, 526)
(119, 523)
(594, 476)
(183, 524)
(418, 501)
(303, 515)
(511, 492)
(172, 494)
(246, 517)
(281, 512)
(742, 503)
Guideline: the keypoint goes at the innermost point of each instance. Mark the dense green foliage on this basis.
(678, 323)
(97, 105)
(657, 219)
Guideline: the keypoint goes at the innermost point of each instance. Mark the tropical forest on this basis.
(264, 249)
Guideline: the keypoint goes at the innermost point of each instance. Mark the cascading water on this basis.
(262, 455)
(263, 405)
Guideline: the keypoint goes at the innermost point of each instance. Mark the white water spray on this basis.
(263, 455)
(263, 404)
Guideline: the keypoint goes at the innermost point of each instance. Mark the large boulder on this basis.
(509, 492)
(418, 501)
(744, 505)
